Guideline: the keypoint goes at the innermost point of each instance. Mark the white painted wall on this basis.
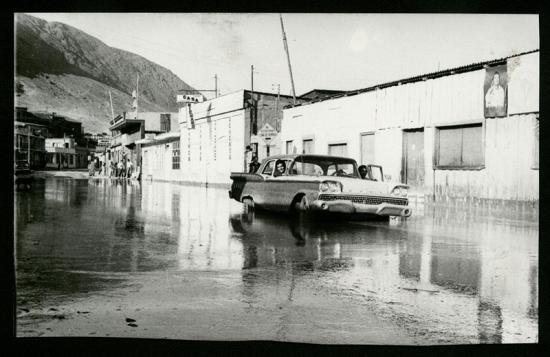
(215, 147)
(454, 99)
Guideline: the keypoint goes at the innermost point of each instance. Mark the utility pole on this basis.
(277, 104)
(216, 85)
(112, 110)
(137, 95)
(254, 126)
(252, 78)
(288, 59)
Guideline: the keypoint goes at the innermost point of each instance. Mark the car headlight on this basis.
(399, 192)
(330, 186)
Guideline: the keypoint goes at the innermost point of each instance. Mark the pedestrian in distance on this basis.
(130, 169)
(254, 165)
(120, 167)
(124, 165)
(248, 153)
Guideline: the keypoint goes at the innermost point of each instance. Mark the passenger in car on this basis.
(280, 168)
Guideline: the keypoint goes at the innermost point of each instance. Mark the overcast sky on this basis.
(327, 51)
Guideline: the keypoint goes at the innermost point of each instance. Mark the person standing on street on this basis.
(130, 169)
(254, 165)
(248, 153)
(120, 167)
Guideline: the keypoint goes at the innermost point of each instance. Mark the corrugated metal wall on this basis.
(451, 100)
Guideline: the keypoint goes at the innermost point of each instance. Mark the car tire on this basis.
(302, 205)
(248, 205)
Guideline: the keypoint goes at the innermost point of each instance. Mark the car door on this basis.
(278, 189)
(261, 189)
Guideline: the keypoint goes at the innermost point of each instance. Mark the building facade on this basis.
(126, 132)
(439, 133)
(64, 153)
(213, 136)
(30, 144)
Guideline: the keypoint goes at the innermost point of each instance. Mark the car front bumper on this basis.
(345, 206)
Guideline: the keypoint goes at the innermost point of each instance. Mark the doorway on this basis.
(413, 157)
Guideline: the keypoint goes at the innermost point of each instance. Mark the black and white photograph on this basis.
(314, 178)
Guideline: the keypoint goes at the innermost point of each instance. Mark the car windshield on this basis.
(324, 166)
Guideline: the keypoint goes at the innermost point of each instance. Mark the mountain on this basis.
(64, 70)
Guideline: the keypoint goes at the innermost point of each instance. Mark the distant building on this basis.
(213, 135)
(63, 153)
(30, 144)
(58, 126)
(126, 132)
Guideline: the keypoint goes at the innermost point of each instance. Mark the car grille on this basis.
(369, 200)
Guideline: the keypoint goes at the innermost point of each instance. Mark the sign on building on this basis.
(190, 98)
(495, 89)
(191, 119)
(267, 133)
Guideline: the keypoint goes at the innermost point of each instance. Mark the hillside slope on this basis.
(62, 69)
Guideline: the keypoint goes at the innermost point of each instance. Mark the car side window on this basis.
(268, 169)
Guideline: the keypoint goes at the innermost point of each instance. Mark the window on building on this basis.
(71, 159)
(460, 147)
(338, 149)
(165, 122)
(307, 146)
(289, 147)
(176, 155)
(536, 144)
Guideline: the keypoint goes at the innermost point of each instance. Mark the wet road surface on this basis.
(159, 260)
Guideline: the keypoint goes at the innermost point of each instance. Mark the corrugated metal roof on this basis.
(422, 77)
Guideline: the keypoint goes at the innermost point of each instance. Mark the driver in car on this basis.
(363, 171)
(280, 168)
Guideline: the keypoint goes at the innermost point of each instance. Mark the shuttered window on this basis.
(460, 147)
(176, 155)
(338, 149)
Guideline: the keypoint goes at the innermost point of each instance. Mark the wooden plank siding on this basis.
(507, 172)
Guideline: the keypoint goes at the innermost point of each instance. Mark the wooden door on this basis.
(413, 157)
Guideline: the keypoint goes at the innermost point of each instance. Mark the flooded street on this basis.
(161, 260)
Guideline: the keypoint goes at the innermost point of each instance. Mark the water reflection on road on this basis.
(449, 275)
